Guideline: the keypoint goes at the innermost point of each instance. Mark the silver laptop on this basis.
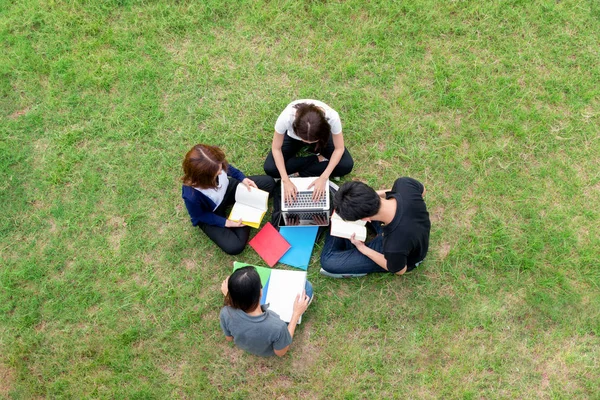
(305, 211)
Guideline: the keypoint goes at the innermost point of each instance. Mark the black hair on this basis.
(311, 125)
(355, 200)
(243, 289)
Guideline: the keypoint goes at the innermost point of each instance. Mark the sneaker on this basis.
(338, 276)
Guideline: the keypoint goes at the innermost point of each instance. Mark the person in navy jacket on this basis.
(208, 191)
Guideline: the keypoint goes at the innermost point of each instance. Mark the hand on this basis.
(320, 220)
(359, 245)
(224, 289)
(289, 191)
(320, 185)
(301, 303)
(233, 224)
(293, 219)
(249, 183)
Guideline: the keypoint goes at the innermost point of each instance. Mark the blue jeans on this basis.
(340, 256)
(308, 289)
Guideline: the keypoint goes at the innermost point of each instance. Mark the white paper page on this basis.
(246, 213)
(338, 218)
(283, 288)
(255, 197)
(345, 229)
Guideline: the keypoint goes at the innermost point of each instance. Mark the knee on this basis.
(269, 184)
(345, 166)
(327, 263)
(271, 169)
(234, 249)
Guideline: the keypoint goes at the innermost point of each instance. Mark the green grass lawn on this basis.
(107, 291)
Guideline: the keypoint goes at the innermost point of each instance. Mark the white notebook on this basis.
(345, 229)
(281, 294)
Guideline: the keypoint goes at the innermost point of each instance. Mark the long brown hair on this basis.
(201, 165)
(311, 125)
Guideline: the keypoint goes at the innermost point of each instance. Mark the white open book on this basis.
(345, 229)
(283, 288)
(250, 206)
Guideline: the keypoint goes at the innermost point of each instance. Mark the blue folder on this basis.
(302, 240)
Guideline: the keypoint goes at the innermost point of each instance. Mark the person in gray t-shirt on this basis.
(244, 321)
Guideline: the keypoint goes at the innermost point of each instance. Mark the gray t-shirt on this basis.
(286, 118)
(258, 335)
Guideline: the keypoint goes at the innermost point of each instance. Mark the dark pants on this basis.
(233, 240)
(340, 256)
(309, 165)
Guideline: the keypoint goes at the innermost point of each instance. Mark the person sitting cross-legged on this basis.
(400, 219)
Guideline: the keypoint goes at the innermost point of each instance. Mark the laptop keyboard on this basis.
(304, 200)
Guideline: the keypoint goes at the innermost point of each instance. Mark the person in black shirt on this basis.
(400, 219)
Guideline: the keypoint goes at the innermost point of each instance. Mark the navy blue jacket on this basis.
(200, 207)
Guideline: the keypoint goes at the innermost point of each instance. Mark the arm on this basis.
(224, 290)
(278, 155)
(235, 173)
(336, 156)
(320, 183)
(376, 256)
(199, 208)
(300, 306)
(288, 187)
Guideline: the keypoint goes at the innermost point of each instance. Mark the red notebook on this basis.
(269, 244)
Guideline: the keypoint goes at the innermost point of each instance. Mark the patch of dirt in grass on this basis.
(436, 213)
(52, 225)
(38, 204)
(231, 353)
(175, 372)
(41, 327)
(178, 50)
(40, 149)
(190, 264)
(19, 113)
(306, 352)
(565, 367)
(444, 250)
(465, 220)
(7, 380)
(118, 226)
(282, 382)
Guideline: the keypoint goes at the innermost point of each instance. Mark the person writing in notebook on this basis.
(400, 219)
(249, 325)
(209, 184)
(314, 125)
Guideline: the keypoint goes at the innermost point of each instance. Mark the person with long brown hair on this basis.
(314, 125)
(209, 184)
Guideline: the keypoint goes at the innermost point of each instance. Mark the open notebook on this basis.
(345, 229)
(250, 205)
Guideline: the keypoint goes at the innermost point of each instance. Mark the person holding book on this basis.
(252, 327)
(314, 125)
(209, 186)
(400, 219)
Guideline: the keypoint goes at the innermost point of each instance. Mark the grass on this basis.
(107, 291)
